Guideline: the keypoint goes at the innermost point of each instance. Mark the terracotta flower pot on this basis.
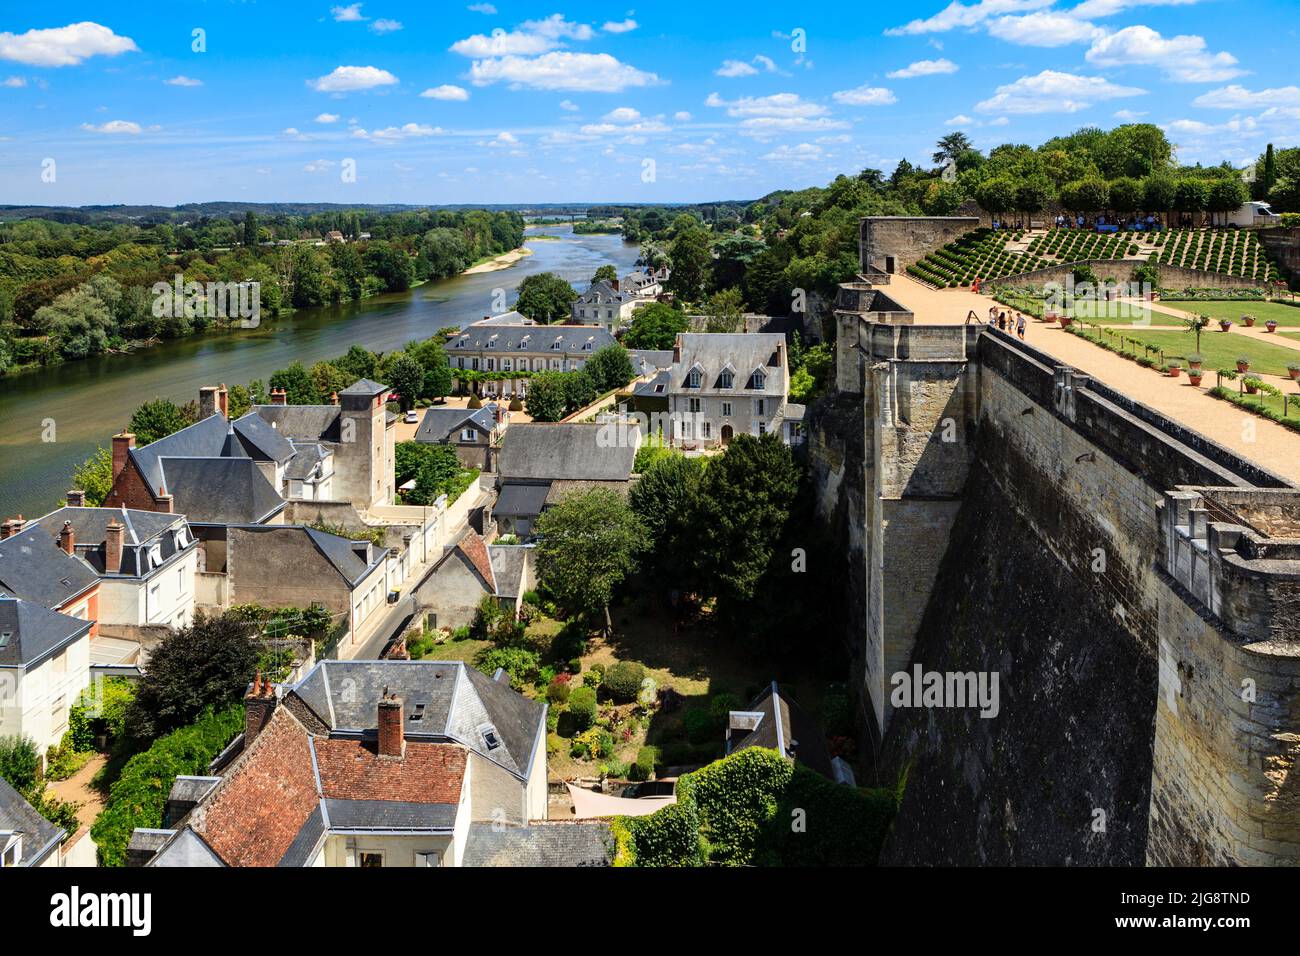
(1225, 324)
(1193, 366)
(1251, 389)
(1249, 320)
(1065, 321)
(1174, 371)
(1195, 377)
(1294, 373)
(1243, 367)
(1271, 325)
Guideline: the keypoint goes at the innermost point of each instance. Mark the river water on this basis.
(51, 420)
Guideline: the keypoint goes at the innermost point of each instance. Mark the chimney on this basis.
(279, 396)
(113, 536)
(11, 527)
(165, 504)
(780, 355)
(122, 445)
(677, 348)
(391, 739)
(207, 402)
(76, 498)
(259, 704)
(334, 398)
(67, 538)
(223, 400)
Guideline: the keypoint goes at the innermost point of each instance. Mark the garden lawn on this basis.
(1284, 315)
(1220, 349)
(1272, 403)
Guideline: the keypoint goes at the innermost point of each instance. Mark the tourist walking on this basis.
(1020, 325)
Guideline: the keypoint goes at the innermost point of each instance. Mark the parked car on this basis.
(412, 417)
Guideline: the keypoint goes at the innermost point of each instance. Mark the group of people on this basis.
(1006, 322)
(1139, 223)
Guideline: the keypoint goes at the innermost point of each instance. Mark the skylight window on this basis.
(491, 740)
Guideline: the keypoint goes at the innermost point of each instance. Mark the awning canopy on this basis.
(587, 804)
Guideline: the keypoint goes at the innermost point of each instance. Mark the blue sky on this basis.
(515, 102)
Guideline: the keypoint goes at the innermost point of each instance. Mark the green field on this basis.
(1284, 315)
(1220, 349)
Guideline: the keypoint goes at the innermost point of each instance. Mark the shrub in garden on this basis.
(557, 692)
(582, 706)
(700, 725)
(721, 705)
(623, 681)
(644, 767)
(518, 662)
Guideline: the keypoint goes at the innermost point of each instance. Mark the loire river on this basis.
(82, 404)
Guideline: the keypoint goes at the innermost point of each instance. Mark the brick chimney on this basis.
(279, 396)
(67, 538)
(334, 398)
(207, 401)
(165, 503)
(223, 400)
(122, 445)
(259, 704)
(114, 534)
(677, 348)
(392, 740)
(11, 527)
(76, 498)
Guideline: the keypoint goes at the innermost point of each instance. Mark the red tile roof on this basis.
(426, 773)
(475, 548)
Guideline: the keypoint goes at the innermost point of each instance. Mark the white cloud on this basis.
(1106, 8)
(580, 72)
(1054, 92)
(506, 138)
(624, 114)
(348, 14)
(346, 78)
(446, 92)
(1047, 29)
(390, 134)
(115, 127)
(778, 113)
(961, 119)
(627, 121)
(733, 68)
(1129, 116)
(63, 46)
(924, 68)
(528, 39)
(327, 118)
(682, 116)
(865, 96)
(15, 82)
(386, 26)
(569, 105)
(183, 81)
(1238, 97)
(803, 153)
(486, 8)
(318, 165)
(767, 63)
(620, 26)
(959, 15)
(290, 131)
(1182, 58)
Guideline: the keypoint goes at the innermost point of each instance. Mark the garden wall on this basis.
(908, 239)
(1121, 270)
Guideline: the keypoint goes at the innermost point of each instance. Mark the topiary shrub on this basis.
(582, 706)
(516, 405)
(623, 680)
(644, 767)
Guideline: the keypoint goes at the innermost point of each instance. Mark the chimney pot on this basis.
(122, 445)
(67, 538)
(259, 704)
(391, 736)
(223, 400)
(114, 533)
(334, 398)
(76, 498)
(279, 396)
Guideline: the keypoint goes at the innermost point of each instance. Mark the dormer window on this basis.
(13, 849)
(726, 379)
(491, 740)
(693, 378)
(556, 344)
(758, 380)
(492, 342)
(586, 346)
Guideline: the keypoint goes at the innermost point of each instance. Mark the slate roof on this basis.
(344, 553)
(531, 338)
(212, 437)
(364, 386)
(602, 293)
(521, 500)
(33, 567)
(551, 843)
(648, 360)
(787, 728)
(301, 423)
(743, 352)
(439, 424)
(307, 458)
(35, 632)
(508, 563)
(656, 387)
(545, 452)
(186, 849)
(40, 836)
(220, 490)
(141, 530)
(513, 317)
(457, 699)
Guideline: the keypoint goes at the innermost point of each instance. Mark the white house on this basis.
(44, 667)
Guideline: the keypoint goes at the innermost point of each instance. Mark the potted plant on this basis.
(1194, 376)
(1225, 324)
(1194, 362)
(1294, 371)
(1249, 320)
(1252, 385)
(1175, 369)
(1243, 364)
(1271, 325)
(1065, 320)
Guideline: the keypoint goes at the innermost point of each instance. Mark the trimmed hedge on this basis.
(137, 797)
(622, 681)
(582, 706)
(754, 808)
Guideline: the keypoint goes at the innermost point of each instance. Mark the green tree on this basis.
(725, 311)
(408, 457)
(406, 377)
(606, 273)
(588, 544)
(690, 258)
(1225, 195)
(545, 297)
(250, 228)
(997, 195)
(1191, 195)
(1127, 195)
(389, 264)
(744, 501)
(655, 326)
(206, 665)
(94, 476)
(437, 473)
(609, 368)
(547, 399)
(297, 384)
(1159, 192)
(950, 147)
(156, 419)
(665, 499)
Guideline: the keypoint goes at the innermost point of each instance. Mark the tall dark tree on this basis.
(545, 297)
(951, 146)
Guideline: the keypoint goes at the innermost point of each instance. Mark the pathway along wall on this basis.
(1014, 522)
